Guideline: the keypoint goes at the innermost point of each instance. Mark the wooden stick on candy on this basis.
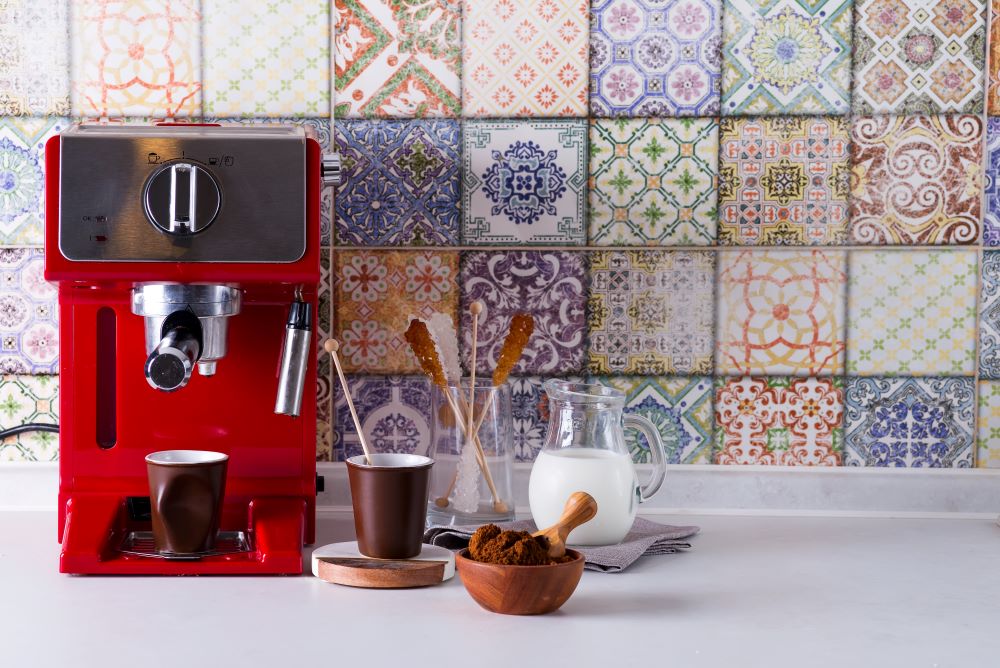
(422, 344)
(472, 435)
(522, 326)
(475, 308)
(332, 346)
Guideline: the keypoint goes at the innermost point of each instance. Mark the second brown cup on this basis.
(390, 503)
(186, 489)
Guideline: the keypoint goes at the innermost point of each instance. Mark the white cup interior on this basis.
(391, 460)
(181, 457)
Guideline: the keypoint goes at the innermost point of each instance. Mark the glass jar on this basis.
(472, 479)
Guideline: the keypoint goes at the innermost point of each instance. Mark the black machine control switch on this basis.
(182, 198)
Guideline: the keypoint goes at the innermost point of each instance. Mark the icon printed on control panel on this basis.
(213, 161)
(228, 160)
(153, 158)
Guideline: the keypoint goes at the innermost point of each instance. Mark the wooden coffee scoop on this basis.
(580, 508)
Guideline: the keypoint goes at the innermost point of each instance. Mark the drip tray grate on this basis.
(140, 544)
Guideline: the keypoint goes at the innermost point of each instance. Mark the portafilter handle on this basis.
(294, 359)
(169, 366)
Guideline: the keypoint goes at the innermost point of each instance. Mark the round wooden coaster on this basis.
(342, 563)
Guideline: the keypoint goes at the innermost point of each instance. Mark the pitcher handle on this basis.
(656, 449)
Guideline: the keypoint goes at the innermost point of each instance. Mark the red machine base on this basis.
(96, 525)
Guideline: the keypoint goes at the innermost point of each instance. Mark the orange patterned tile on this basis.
(136, 58)
(375, 293)
(780, 312)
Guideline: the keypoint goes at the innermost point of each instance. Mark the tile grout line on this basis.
(981, 252)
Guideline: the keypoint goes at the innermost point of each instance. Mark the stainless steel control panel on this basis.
(182, 194)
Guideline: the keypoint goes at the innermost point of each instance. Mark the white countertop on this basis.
(753, 591)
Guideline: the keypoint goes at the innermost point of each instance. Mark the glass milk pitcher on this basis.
(585, 451)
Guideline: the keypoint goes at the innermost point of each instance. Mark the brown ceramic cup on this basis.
(390, 503)
(186, 489)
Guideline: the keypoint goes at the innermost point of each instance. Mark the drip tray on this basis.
(140, 544)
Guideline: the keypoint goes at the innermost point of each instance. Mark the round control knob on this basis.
(182, 198)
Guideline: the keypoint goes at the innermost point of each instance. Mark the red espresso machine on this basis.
(187, 259)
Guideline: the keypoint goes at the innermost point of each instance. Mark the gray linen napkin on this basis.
(645, 538)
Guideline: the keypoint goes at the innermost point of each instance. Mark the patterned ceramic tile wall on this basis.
(136, 58)
(397, 59)
(763, 221)
(266, 58)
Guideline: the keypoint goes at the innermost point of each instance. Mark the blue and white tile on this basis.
(991, 220)
(26, 399)
(395, 414)
(989, 317)
(34, 81)
(910, 422)
(22, 178)
(530, 412)
(650, 58)
(29, 328)
(679, 408)
(402, 184)
(525, 182)
(324, 419)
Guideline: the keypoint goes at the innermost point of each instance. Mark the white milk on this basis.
(607, 476)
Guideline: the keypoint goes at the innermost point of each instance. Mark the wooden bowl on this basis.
(520, 590)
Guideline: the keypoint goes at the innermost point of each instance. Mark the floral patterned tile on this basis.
(650, 312)
(22, 178)
(324, 306)
(317, 128)
(324, 417)
(919, 56)
(524, 182)
(402, 183)
(525, 58)
(654, 59)
(26, 399)
(784, 181)
(530, 412)
(912, 313)
(679, 408)
(653, 182)
(324, 370)
(267, 58)
(988, 444)
(993, 58)
(780, 312)
(916, 179)
(991, 186)
(374, 294)
(910, 422)
(551, 285)
(34, 81)
(136, 58)
(786, 56)
(779, 421)
(397, 59)
(989, 317)
(29, 328)
(395, 414)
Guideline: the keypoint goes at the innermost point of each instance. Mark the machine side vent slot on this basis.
(107, 364)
